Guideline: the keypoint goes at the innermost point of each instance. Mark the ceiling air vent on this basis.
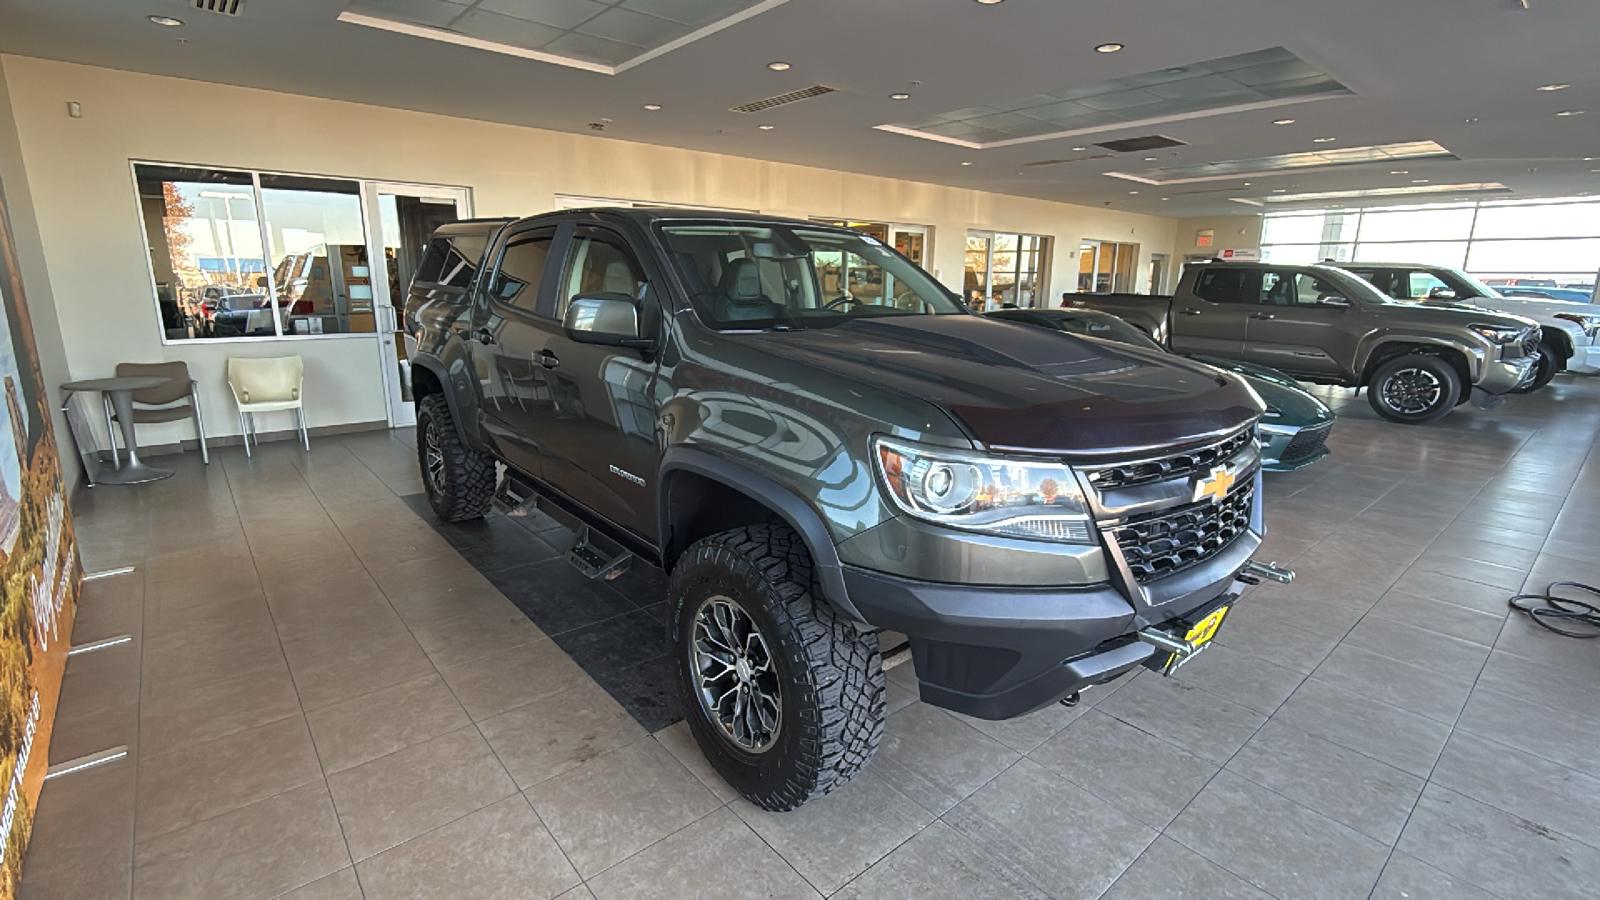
(1141, 144)
(1057, 162)
(225, 7)
(816, 90)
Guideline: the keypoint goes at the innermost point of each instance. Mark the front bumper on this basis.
(1001, 652)
(1506, 375)
(1285, 448)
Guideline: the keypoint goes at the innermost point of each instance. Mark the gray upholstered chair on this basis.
(178, 399)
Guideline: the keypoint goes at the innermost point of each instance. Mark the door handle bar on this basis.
(1262, 316)
(1188, 312)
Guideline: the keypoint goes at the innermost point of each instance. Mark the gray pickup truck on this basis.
(1325, 325)
(817, 471)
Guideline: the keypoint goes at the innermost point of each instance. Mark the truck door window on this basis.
(1227, 285)
(516, 282)
(596, 265)
(1294, 289)
(1422, 284)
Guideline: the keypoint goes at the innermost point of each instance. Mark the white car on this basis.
(1571, 340)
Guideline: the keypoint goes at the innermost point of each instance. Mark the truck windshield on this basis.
(756, 276)
(1475, 287)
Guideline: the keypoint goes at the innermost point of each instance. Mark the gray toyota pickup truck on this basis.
(1325, 325)
(817, 471)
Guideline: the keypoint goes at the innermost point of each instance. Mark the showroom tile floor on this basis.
(328, 697)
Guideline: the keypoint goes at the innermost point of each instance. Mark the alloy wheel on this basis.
(433, 456)
(735, 676)
(1412, 391)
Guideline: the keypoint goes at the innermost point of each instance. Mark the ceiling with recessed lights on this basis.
(1485, 81)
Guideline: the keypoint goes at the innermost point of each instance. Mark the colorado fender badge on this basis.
(1216, 485)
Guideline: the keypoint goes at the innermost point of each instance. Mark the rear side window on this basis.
(432, 261)
(521, 266)
(1226, 286)
(451, 261)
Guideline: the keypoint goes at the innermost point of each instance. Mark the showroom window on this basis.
(240, 255)
(1106, 267)
(1004, 270)
(1516, 243)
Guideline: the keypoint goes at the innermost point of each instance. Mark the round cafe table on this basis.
(120, 390)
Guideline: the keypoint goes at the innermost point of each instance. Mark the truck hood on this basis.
(1026, 389)
(1467, 312)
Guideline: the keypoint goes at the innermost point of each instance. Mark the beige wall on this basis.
(89, 216)
(1232, 233)
(35, 280)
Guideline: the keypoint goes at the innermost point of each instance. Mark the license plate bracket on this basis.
(1198, 636)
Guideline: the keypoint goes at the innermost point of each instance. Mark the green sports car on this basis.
(1294, 431)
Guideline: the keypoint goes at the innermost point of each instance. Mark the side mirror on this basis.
(1441, 293)
(1333, 301)
(605, 318)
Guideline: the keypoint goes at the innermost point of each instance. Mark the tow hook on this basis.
(1168, 643)
(1256, 572)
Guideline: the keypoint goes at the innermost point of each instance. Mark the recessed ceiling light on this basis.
(1280, 190)
(766, 127)
(990, 2)
(652, 106)
(1111, 47)
(966, 163)
(900, 96)
(168, 21)
(779, 66)
(1554, 87)
(1472, 120)
(1401, 172)
(1133, 192)
(1570, 112)
(1419, 181)
(1283, 121)
(1079, 149)
(1323, 140)
(1247, 184)
(1166, 198)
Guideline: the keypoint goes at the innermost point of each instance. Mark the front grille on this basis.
(1167, 467)
(1307, 442)
(1159, 545)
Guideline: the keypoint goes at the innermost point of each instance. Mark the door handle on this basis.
(547, 359)
(1188, 312)
(484, 336)
(1262, 316)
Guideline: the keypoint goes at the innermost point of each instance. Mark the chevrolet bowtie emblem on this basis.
(1215, 486)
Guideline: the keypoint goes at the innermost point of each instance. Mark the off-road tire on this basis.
(1550, 362)
(830, 674)
(464, 486)
(1448, 394)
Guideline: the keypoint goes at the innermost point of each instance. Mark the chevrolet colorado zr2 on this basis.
(1035, 512)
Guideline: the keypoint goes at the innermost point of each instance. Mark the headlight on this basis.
(1589, 323)
(1497, 334)
(1015, 498)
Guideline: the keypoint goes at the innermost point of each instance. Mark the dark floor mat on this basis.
(612, 629)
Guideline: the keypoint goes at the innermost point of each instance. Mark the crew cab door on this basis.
(507, 339)
(1303, 325)
(597, 420)
(1213, 315)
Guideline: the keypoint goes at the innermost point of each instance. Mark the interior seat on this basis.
(741, 299)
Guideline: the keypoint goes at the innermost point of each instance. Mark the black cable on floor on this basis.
(1546, 609)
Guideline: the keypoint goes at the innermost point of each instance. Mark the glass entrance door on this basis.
(401, 218)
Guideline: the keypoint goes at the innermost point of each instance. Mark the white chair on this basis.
(267, 385)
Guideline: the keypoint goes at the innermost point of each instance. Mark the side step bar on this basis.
(591, 553)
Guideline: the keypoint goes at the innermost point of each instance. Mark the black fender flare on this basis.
(464, 413)
(796, 512)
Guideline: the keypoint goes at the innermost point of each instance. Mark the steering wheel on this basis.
(839, 302)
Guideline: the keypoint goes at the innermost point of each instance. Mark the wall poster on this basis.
(39, 570)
